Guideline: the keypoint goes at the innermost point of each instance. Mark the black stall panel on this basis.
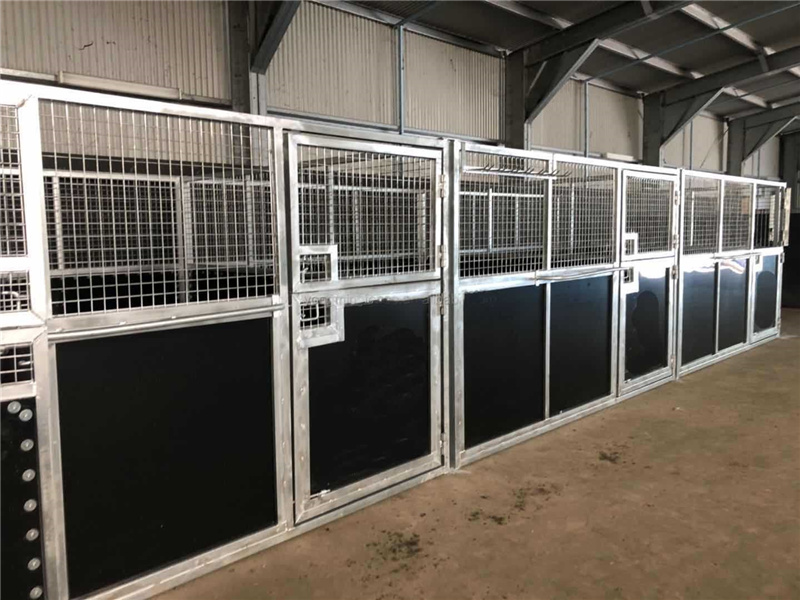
(646, 323)
(732, 303)
(21, 567)
(370, 395)
(167, 444)
(580, 342)
(503, 362)
(766, 294)
(698, 312)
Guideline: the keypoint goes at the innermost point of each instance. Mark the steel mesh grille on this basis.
(502, 214)
(14, 292)
(767, 225)
(736, 209)
(648, 211)
(584, 207)
(146, 210)
(16, 364)
(377, 209)
(12, 213)
(315, 314)
(701, 199)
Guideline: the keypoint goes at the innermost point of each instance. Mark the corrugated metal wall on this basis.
(333, 63)
(708, 147)
(766, 160)
(452, 89)
(615, 122)
(169, 44)
(337, 64)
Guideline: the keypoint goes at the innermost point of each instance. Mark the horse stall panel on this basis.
(363, 213)
(503, 362)
(367, 395)
(22, 570)
(370, 399)
(580, 342)
(733, 303)
(766, 293)
(168, 446)
(648, 309)
(147, 210)
(699, 311)
(502, 214)
(648, 214)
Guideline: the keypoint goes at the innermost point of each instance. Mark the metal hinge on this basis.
(677, 195)
(674, 241)
(442, 255)
(440, 304)
(674, 271)
(783, 257)
(442, 185)
(672, 361)
(441, 443)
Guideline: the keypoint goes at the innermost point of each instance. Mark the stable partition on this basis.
(562, 266)
(732, 235)
(219, 331)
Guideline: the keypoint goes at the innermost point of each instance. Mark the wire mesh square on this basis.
(12, 212)
(767, 217)
(701, 200)
(14, 292)
(376, 208)
(584, 215)
(315, 314)
(737, 206)
(148, 210)
(648, 213)
(502, 206)
(16, 364)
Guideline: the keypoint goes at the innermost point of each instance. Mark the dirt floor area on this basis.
(689, 491)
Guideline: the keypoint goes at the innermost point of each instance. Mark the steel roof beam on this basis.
(616, 20)
(277, 18)
(712, 21)
(748, 134)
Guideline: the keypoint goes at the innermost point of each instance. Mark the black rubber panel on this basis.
(20, 529)
(370, 396)
(698, 312)
(732, 317)
(646, 323)
(503, 362)
(167, 444)
(766, 294)
(580, 342)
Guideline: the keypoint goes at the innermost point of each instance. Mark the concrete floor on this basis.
(689, 491)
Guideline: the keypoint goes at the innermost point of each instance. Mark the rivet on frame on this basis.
(32, 535)
(34, 564)
(30, 505)
(14, 407)
(26, 415)
(26, 445)
(28, 475)
(35, 593)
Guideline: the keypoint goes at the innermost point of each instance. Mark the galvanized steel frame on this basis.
(443, 287)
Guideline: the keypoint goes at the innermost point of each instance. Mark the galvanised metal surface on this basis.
(385, 225)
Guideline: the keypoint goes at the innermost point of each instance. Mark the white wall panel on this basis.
(451, 89)
(335, 64)
(765, 162)
(708, 142)
(560, 124)
(180, 45)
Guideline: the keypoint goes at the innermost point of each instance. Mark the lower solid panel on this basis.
(766, 294)
(647, 322)
(167, 447)
(580, 342)
(698, 312)
(503, 362)
(370, 395)
(22, 566)
(732, 303)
